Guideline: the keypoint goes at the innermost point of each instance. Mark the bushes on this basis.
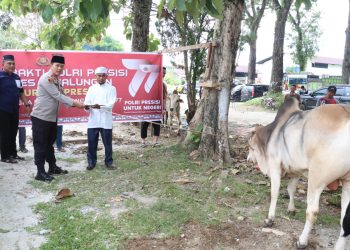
(263, 101)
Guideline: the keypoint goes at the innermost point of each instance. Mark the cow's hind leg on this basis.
(313, 199)
(275, 187)
(345, 216)
(292, 187)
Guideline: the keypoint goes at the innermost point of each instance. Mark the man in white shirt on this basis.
(99, 102)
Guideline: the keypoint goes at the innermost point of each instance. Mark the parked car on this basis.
(251, 91)
(309, 101)
(236, 82)
(236, 93)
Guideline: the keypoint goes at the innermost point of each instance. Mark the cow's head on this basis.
(175, 102)
(257, 150)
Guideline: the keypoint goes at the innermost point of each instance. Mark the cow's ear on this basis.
(252, 133)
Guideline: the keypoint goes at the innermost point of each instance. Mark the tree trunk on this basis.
(346, 60)
(254, 19)
(191, 94)
(215, 102)
(300, 53)
(141, 10)
(252, 61)
(278, 44)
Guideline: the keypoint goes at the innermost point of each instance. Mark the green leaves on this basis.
(193, 8)
(68, 21)
(180, 5)
(215, 7)
(47, 14)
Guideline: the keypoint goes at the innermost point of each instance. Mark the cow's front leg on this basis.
(275, 187)
(313, 199)
(292, 187)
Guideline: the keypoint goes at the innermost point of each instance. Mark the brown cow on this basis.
(314, 144)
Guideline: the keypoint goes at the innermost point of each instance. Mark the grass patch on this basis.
(70, 160)
(3, 231)
(254, 101)
(88, 220)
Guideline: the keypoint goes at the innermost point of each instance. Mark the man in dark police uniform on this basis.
(44, 116)
(11, 91)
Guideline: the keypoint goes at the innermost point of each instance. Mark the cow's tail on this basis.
(346, 222)
(341, 242)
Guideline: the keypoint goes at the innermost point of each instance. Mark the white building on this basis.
(321, 66)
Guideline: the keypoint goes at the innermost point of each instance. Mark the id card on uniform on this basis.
(19, 83)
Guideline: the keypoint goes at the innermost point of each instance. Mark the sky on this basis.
(333, 22)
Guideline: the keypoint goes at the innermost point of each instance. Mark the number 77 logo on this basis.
(142, 67)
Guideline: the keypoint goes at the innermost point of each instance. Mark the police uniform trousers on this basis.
(8, 133)
(44, 136)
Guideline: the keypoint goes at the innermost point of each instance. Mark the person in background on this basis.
(329, 97)
(44, 116)
(22, 136)
(155, 124)
(99, 102)
(58, 141)
(293, 94)
(11, 91)
(303, 90)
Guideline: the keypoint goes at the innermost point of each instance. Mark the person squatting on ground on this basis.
(155, 124)
(44, 116)
(99, 102)
(11, 91)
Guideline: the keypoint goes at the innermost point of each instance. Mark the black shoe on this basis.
(57, 170)
(17, 157)
(24, 150)
(110, 166)
(43, 177)
(90, 167)
(9, 160)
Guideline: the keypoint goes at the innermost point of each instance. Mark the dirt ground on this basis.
(17, 198)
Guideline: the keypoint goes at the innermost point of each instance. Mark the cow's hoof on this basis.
(300, 246)
(268, 222)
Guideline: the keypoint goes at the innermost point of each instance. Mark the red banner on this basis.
(136, 76)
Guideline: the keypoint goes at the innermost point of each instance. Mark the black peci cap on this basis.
(57, 59)
(8, 58)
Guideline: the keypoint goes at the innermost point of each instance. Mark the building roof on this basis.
(244, 69)
(316, 59)
(327, 60)
(264, 60)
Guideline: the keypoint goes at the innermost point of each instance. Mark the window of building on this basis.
(320, 65)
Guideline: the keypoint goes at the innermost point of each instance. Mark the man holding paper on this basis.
(99, 102)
